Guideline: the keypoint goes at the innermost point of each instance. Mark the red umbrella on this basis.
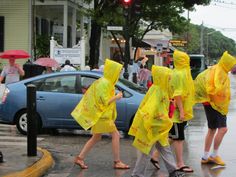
(48, 62)
(14, 54)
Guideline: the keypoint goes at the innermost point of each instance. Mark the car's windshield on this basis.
(133, 86)
(196, 62)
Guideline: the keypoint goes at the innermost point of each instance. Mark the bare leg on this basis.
(155, 155)
(90, 143)
(116, 145)
(208, 139)
(116, 151)
(219, 136)
(178, 147)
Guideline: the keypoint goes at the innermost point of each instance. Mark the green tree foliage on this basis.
(214, 42)
(159, 15)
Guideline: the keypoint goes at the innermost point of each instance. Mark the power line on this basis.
(222, 28)
(224, 2)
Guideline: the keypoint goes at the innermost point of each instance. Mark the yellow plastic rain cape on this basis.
(94, 106)
(182, 85)
(213, 85)
(151, 122)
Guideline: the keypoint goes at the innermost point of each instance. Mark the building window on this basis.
(44, 27)
(1, 33)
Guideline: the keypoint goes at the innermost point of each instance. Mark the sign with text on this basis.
(115, 28)
(63, 54)
(178, 43)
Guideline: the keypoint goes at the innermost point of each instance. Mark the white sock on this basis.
(214, 153)
(206, 155)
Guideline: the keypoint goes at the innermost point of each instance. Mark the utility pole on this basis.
(127, 5)
(201, 39)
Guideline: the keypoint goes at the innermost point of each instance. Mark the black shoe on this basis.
(177, 173)
(1, 157)
(155, 163)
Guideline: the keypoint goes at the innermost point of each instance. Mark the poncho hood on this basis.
(112, 71)
(181, 60)
(161, 76)
(227, 61)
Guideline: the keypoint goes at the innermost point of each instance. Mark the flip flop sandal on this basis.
(155, 163)
(80, 162)
(186, 169)
(120, 165)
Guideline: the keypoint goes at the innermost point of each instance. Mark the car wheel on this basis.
(21, 122)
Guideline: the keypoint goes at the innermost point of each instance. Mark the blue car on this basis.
(58, 94)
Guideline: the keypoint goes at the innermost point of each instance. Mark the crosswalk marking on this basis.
(9, 136)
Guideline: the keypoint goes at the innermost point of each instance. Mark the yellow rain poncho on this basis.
(151, 122)
(182, 85)
(94, 109)
(213, 85)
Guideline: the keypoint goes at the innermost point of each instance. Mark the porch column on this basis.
(65, 24)
(82, 43)
(74, 27)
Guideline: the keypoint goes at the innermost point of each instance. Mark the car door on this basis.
(56, 98)
(121, 109)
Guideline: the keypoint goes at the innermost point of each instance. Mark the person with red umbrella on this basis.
(13, 71)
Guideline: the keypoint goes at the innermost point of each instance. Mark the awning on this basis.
(138, 43)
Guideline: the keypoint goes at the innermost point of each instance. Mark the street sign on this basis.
(63, 54)
(178, 43)
(159, 47)
(115, 28)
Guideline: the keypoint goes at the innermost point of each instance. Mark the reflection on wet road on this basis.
(64, 148)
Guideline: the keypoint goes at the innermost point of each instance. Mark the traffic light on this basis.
(137, 7)
(126, 3)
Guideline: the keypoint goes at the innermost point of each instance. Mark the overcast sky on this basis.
(220, 15)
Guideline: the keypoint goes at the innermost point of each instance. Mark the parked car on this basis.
(197, 64)
(57, 94)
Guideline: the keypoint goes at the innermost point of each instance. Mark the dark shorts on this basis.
(214, 118)
(177, 131)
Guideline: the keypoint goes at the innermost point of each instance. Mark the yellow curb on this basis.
(38, 168)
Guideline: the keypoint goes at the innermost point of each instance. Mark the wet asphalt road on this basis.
(67, 144)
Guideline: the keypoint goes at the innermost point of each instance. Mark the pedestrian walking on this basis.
(143, 75)
(183, 94)
(136, 67)
(213, 90)
(11, 72)
(67, 66)
(151, 124)
(97, 110)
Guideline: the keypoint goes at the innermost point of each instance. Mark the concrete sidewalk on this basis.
(18, 164)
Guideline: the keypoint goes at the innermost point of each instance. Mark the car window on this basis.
(86, 81)
(133, 86)
(61, 84)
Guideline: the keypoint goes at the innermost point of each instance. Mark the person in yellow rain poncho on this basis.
(151, 124)
(213, 90)
(97, 110)
(183, 94)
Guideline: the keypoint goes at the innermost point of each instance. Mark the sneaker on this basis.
(205, 161)
(177, 173)
(217, 160)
